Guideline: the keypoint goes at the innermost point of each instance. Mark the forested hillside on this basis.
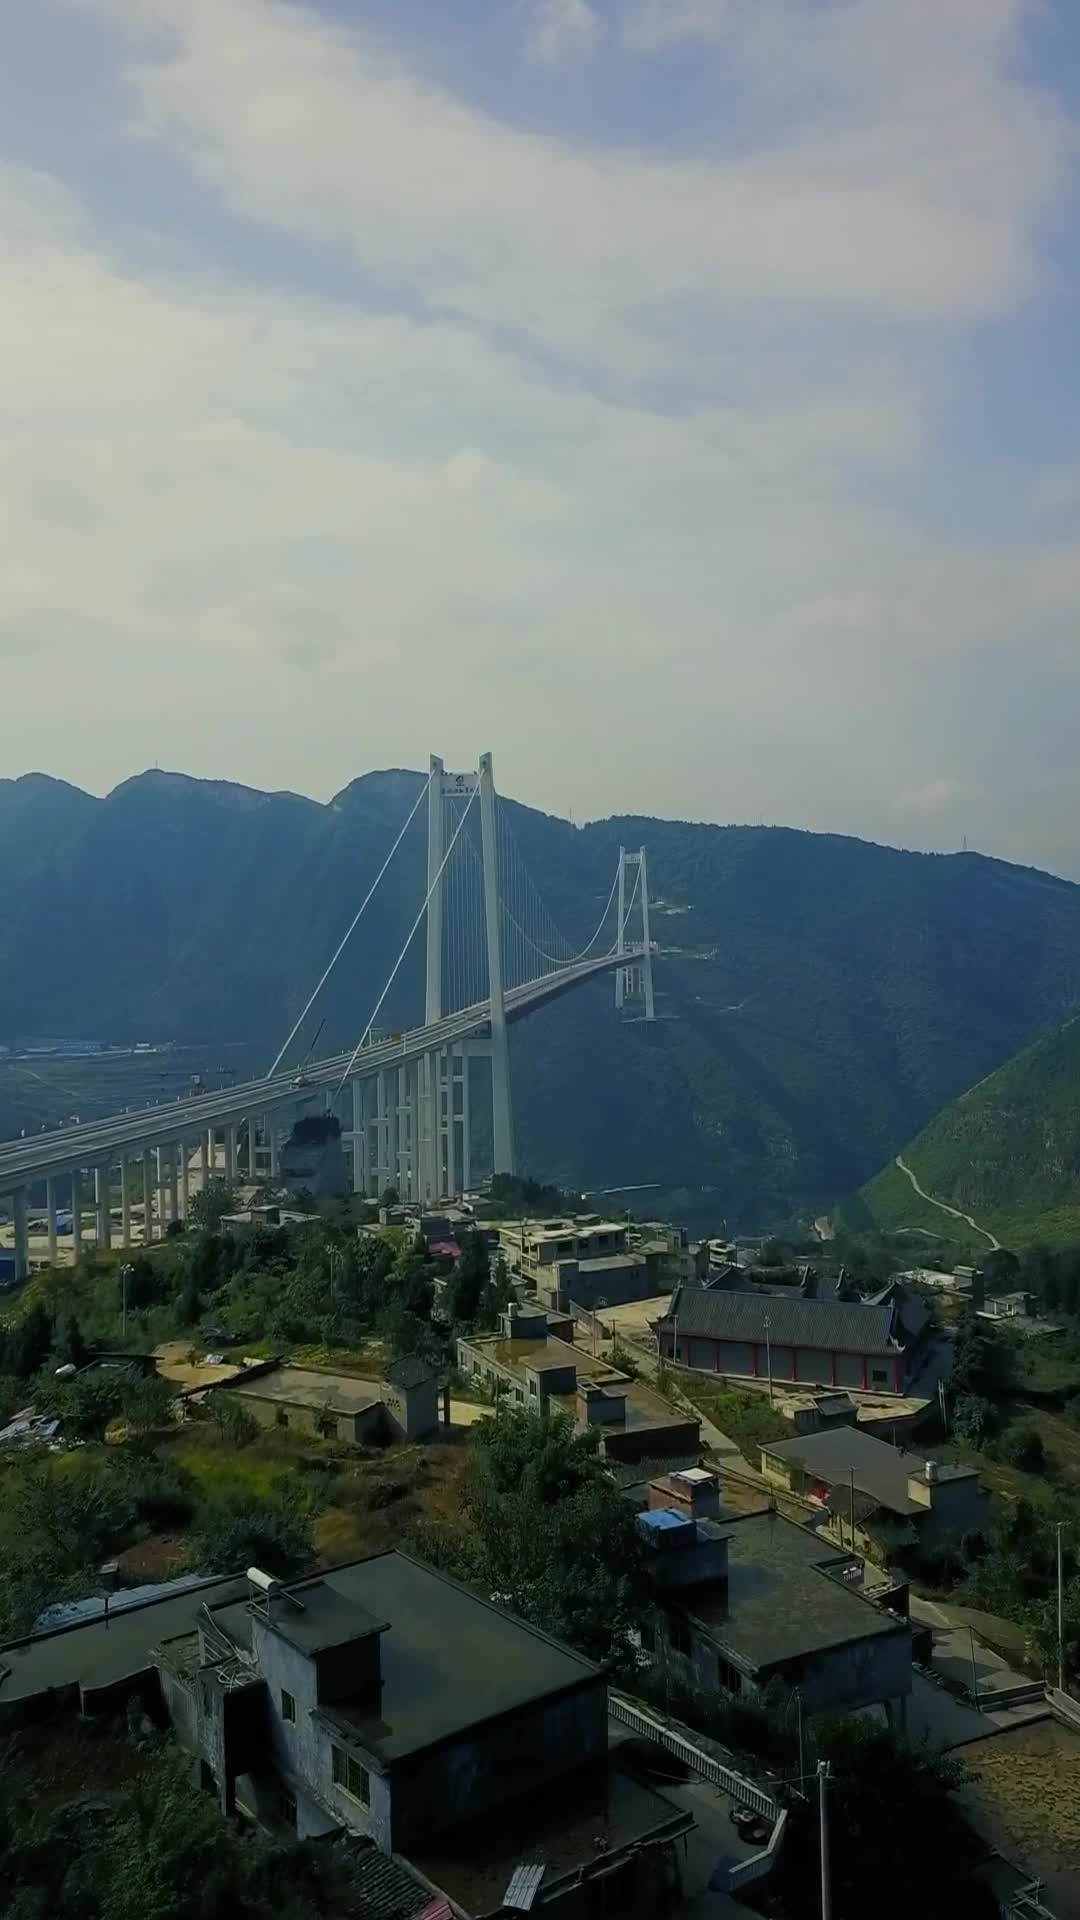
(820, 997)
(1007, 1152)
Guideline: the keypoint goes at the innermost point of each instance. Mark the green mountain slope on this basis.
(1007, 1153)
(820, 997)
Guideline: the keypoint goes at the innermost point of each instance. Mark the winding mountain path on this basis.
(995, 1245)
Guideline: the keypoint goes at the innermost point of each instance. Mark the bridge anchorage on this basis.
(494, 954)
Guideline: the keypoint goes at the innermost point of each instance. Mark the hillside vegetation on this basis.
(1007, 1153)
(819, 998)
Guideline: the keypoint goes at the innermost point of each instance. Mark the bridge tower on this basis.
(441, 1168)
(638, 978)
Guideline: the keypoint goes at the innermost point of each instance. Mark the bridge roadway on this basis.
(74, 1149)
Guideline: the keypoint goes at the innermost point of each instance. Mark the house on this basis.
(532, 1369)
(863, 1347)
(411, 1398)
(403, 1405)
(532, 1244)
(1006, 1306)
(745, 1601)
(824, 1412)
(386, 1700)
(897, 1497)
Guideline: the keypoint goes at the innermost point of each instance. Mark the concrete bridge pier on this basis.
(125, 1199)
(184, 1151)
(270, 1129)
(22, 1233)
(102, 1198)
(148, 1198)
(161, 1187)
(174, 1186)
(76, 1214)
(50, 1218)
(230, 1153)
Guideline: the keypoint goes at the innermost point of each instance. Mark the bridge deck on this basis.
(97, 1142)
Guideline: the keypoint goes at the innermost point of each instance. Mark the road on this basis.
(995, 1245)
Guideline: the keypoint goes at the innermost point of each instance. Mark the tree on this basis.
(232, 1532)
(158, 1851)
(210, 1205)
(88, 1404)
(469, 1279)
(149, 1405)
(883, 1790)
(27, 1345)
(389, 1197)
(548, 1535)
(973, 1420)
(1022, 1447)
(72, 1345)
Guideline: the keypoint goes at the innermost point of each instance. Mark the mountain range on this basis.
(819, 998)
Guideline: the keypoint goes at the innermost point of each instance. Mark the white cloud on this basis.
(930, 798)
(560, 30)
(596, 456)
(911, 194)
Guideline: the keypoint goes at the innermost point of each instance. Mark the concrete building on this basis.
(748, 1600)
(383, 1699)
(897, 1498)
(866, 1348)
(523, 1362)
(1006, 1306)
(530, 1245)
(401, 1406)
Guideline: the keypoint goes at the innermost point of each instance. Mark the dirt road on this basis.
(995, 1245)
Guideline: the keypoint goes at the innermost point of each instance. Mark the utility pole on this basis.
(768, 1357)
(125, 1275)
(802, 1762)
(823, 1829)
(851, 1506)
(1060, 1614)
(974, 1672)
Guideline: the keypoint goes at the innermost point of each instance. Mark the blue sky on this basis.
(676, 396)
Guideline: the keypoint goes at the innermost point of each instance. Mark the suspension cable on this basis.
(408, 943)
(352, 929)
(633, 897)
(570, 959)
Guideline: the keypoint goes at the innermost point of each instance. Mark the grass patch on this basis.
(747, 1418)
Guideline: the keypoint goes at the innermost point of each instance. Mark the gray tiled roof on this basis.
(838, 1325)
(385, 1891)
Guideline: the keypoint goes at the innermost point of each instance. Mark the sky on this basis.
(677, 398)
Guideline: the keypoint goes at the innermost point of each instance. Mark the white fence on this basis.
(745, 1792)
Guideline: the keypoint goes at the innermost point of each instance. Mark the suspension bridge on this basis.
(494, 954)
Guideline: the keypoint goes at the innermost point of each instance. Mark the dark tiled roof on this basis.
(408, 1372)
(838, 1325)
(384, 1890)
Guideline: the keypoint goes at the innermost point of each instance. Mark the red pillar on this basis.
(864, 1373)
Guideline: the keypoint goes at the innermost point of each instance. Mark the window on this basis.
(287, 1807)
(878, 1376)
(351, 1777)
(679, 1635)
(288, 1706)
(727, 1676)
